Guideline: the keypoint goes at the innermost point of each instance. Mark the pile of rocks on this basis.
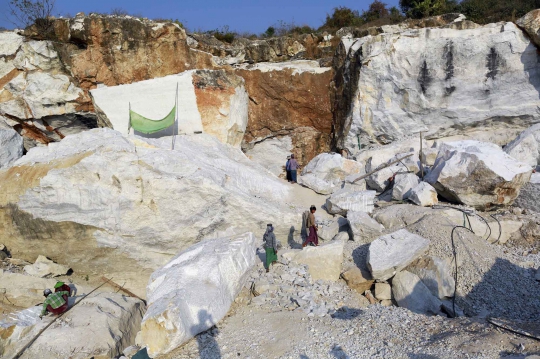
(290, 286)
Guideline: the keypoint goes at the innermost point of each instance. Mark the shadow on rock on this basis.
(360, 257)
(346, 313)
(206, 341)
(290, 239)
(506, 291)
(338, 352)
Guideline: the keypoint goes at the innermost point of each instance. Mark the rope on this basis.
(21, 352)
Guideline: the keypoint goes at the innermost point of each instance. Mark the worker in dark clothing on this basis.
(270, 246)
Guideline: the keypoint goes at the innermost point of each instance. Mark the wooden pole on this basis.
(421, 157)
(121, 288)
(382, 168)
(21, 352)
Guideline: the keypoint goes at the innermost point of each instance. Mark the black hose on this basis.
(456, 267)
(499, 223)
(439, 206)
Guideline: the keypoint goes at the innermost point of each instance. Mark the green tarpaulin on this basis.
(144, 125)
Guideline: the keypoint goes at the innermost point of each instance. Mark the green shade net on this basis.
(144, 125)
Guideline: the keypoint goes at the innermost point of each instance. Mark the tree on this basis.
(342, 17)
(418, 9)
(487, 11)
(118, 11)
(377, 10)
(270, 31)
(25, 13)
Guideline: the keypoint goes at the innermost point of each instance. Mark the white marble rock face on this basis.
(439, 80)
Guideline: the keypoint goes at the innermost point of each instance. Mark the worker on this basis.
(270, 246)
(293, 167)
(287, 169)
(55, 303)
(311, 226)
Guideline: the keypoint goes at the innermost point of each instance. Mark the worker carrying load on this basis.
(55, 303)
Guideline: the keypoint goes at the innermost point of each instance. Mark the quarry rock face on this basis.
(274, 49)
(194, 291)
(141, 50)
(142, 202)
(443, 81)
(289, 100)
(103, 324)
(38, 98)
(477, 174)
(11, 145)
(209, 101)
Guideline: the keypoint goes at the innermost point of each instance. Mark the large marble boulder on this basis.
(194, 291)
(392, 252)
(526, 146)
(324, 261)
(477, 174)
(411, 293)
(11, 145)
(347, 199)
(442, 81)
(531, 24)
(326, 172)
(213, 102)
(363, 227)
(436, 274)
(100, 202)
(103, 324)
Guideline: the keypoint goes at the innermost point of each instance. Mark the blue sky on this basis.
(240, 15)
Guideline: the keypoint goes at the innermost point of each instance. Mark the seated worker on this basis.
(62, 287)
(55, 303)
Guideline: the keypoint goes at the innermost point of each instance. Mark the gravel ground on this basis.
(373, 332)
(493, 280)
